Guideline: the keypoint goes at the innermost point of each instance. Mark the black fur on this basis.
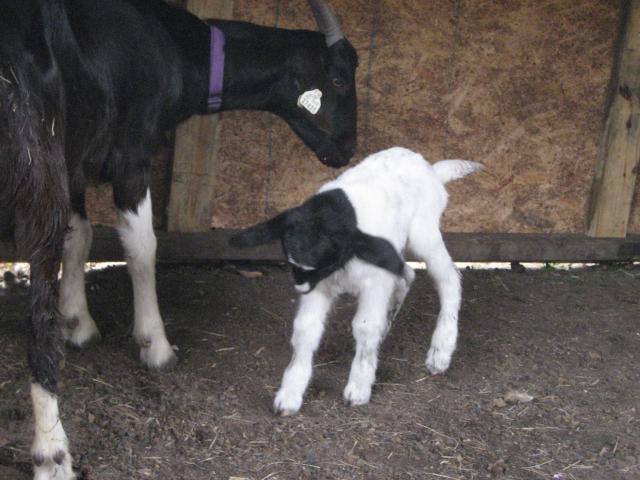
(33, 185)
(133, 69)
(89, 88)
(322, 233)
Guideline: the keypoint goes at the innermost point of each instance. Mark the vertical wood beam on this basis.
(196, 145)
(620, 144)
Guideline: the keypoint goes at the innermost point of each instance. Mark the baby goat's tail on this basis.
(447, 170)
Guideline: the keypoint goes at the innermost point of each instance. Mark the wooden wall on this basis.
(519, 85)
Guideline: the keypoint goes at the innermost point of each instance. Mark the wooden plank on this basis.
(194, 162)
(620, 145)
(464, 247)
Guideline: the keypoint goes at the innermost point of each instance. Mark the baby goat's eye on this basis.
(338, 82)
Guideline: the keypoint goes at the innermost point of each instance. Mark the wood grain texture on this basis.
(213, 246)
(194, 161)
(620, 145)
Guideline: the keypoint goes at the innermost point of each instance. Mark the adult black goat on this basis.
(87, 88)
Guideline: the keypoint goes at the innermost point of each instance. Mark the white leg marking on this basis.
(370, 324)
(79, 327)
(447, 280)
(308, 327)
(139, 242)
(50, 449)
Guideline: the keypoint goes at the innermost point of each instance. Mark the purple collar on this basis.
(216, 69)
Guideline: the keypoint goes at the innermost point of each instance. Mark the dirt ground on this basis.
(569, 339)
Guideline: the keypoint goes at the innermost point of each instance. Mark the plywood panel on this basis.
(517, 85)
(533, 76)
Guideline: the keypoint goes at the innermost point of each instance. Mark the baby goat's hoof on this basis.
(286, 405)
(355, 395)
(286, 413)
(437, 361)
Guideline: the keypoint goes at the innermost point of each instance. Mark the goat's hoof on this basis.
(85, 342)
(437, 361)
(286, 413)
(158, 355)
(286, 405)
(52, 467)
(81, 332)
(355, 396)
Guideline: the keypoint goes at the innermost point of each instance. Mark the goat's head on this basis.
(320, 104)
(319, 237)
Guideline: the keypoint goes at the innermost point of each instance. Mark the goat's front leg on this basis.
(308, 327)
(79, 328)
(139, 242)
(378, 303)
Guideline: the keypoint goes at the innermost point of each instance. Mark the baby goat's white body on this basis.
(399, 196)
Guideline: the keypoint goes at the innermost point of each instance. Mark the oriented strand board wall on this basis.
(519, 85)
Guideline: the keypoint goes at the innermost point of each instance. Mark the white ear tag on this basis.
(311, 101)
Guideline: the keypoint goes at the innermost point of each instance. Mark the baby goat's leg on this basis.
(308, 327)
(447, 281)
(402, 287)
(375, 310)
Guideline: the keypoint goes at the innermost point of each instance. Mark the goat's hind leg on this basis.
(50, 448)
(402, 287)
(79, 327)
(446, 277)
(39, 236)
(139, 242)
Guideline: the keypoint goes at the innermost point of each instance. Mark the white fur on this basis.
(399, 196)
(50, 444)
(79, 327)
(306, 268)
(139, 242)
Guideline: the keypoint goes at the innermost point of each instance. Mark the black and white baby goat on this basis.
(345, 239)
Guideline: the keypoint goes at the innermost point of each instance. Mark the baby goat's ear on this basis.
(379, 252)
(265, 232)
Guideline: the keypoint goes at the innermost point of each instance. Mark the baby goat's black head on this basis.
(319, 237)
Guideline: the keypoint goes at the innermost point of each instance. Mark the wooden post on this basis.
(620, 145)
(194, 160)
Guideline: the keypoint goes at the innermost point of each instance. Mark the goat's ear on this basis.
(265, 232)
(379, 252)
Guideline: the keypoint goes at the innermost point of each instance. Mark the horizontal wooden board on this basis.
(464, 247)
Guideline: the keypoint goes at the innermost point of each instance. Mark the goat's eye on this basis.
(338, 83)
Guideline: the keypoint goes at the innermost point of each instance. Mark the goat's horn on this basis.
(327, 21)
